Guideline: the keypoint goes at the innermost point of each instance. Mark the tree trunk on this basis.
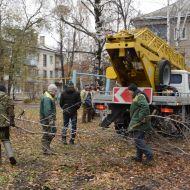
(98, 27)
(10, 82)
(73, 54)
(1, 52)
(168, 22)
(61, 56)
(178, 31)
(11, 74)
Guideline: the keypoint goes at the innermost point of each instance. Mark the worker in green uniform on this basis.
(140, 124)
(48, 117)
(6, 121)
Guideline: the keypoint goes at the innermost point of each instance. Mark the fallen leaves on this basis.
(98, 160)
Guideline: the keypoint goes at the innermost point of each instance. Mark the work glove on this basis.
(132, 127)
(129, 129)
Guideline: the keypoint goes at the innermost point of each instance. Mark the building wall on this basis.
(50, 65)
(157, 26)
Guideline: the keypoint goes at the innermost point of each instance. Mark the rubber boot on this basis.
(45, 146)
(72, 141)
(9, 151)
(64, 140)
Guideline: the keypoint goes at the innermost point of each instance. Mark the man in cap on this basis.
(140, 124)
(6, 121)
(48, 117)
(70, 102)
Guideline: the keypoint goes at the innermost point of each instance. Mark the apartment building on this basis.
(46, 62)
(178, 25)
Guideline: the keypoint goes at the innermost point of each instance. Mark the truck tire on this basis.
(162, 73)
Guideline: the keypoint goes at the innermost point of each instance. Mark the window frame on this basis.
(180, 37)
(51, 74)
(51, 59)
(44, 74)
(176, 75)
(44, 60)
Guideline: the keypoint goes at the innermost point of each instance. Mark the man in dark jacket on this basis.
(139, 124)
(6, 121)
(48, 117)
(70, 102)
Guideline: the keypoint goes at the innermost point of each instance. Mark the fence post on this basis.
(107, 86)
(74, 77)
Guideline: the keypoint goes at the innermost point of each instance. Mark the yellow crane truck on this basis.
(139, 56)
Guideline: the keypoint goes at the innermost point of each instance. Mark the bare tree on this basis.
(60, 10)
(19, 33)
(123, 10)
(72, 54)
(168, 21)
(4, 17)
(182, 14)
(95, 9)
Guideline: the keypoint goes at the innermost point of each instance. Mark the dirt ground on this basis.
(98, 161)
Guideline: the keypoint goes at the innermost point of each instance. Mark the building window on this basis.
(160, 30)
(180, 34)
(51, 74)
(44, 60)
(51, 59)
(44, 74)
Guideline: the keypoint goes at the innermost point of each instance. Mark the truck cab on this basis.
(180, 79)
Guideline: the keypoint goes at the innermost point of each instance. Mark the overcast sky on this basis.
(145, 6)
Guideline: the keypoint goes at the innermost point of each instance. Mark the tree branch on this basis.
(88, 8)
(111, 1)
(79, 29)
(80, 51)
(91, 3)
(29, 23)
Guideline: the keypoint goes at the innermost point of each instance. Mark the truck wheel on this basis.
(162, 73)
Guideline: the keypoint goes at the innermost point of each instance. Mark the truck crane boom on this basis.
(142, 57)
